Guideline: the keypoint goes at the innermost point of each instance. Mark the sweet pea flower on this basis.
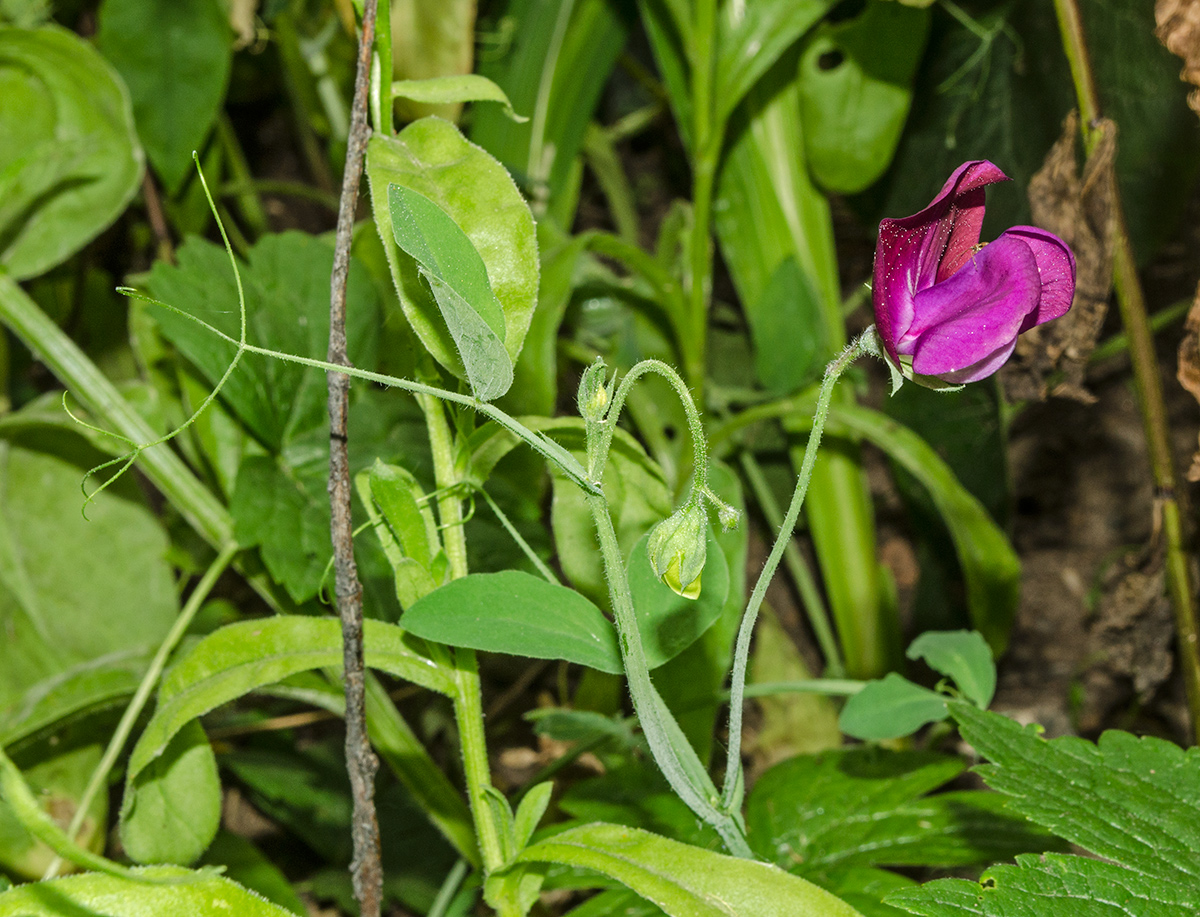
(949, 308)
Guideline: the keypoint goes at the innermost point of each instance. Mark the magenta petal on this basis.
(1056, 267)
(928, 247)
(977, 312)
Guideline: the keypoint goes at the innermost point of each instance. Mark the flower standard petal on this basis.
(918, 251)
(976, 313)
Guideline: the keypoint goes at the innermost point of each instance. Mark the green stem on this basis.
(1146, 376)
(116, 743)
(676, 758)
(741, 656)
(382, 107)
(468, 698)
(810, 595)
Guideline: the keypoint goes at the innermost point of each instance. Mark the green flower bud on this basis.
(678, 548)
(592, 397)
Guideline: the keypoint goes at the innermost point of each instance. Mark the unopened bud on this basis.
(592, 398)
(678, 547)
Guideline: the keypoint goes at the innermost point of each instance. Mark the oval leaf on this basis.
(669, 622)
(433, 159)
(443, 90)
(890, 708)
(172, 811)
(70, 161)
(687, 881)
(197, 894)
(520, 614)
(237, 659)
(962, 655)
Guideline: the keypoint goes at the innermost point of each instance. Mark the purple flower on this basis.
(947, 307)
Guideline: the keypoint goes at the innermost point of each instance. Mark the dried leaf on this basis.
(1080, 210)
(1189, 367)
(1179, 29)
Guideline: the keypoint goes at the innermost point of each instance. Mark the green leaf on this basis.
(286, 281)
(530, 811)
(670, 623)
(201, 894)
(752, 38)
(60, 98)
(430, 40)
(441, 90)
(430, 157)
(175, 57)
(1129, 800)
(83, 689)
(890, 708)
(172, 811)
(237, 659)
(866, 807)
(855, 91)
(686, 881)
(963, 656)
(73, 591)
(456, 276)
(783, 360)
(520, 614)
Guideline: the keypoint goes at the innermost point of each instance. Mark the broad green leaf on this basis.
(175, 57)
(72, 591)
(785, 360)
(866, 807)
(456, 275)
(60, 99)
(443, 90)
(530, 811)
(520, 614)
(962, 655)
(171, 812)
(670, 623)
(990, 565)
(430, 157)
(890, 708)
(554, 69)
(197, 894)
(1128, 800)
(752, 37)
(83, 689)
(287, 520)
(686, 881)
(663, 21)
(855, 91)
(237, 659)
(286, 280)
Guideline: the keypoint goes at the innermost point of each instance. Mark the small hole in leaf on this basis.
(847, 9)
(830, 60)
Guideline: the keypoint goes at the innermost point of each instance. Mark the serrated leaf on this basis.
(890, 708)
(520, 614)
(237, 659)
(1129, 800)
(175, 57)
(865, 807)
(172, 811)
(962, 655)
(198, 894)
(683, 880)
(58, 91)
(433, 159)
